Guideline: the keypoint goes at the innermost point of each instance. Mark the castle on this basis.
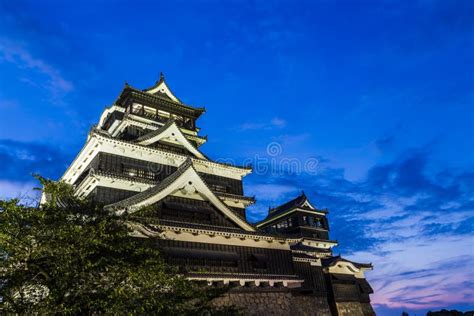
(143, 158)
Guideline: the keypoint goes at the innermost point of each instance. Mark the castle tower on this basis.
(144, 158)
(307, 230)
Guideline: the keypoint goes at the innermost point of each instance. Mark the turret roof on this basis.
(159, 93)
(301, 202)
(331, 261)
(161, 89)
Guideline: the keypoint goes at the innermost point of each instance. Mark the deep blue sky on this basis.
(379, 93)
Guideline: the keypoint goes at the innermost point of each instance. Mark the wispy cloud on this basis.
(20, 159)
(415, 226)
(272, 124)
(20, 190)
(16, 53)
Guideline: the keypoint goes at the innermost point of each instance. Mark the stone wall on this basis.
(275, 303)
(367, 309)
(354, 309)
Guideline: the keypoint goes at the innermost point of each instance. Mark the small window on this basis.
(137, 108)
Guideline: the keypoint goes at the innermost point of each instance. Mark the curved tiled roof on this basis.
(158, 99)
(243, 276)
(135, 199)
(170, 124)
(104, 134)
(154, 133)
(142, 197)
(331, 261)
(297, 203)
(302, 247)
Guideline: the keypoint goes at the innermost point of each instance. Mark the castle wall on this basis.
(275, 303)
(354, 309)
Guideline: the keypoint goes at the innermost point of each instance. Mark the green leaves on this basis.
(81, 259)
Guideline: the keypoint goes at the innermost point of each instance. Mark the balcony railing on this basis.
(157, 118)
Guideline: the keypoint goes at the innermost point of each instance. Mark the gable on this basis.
(162, 89)
(185, 210)
(307, 204)
(169, 133)
(185, 181)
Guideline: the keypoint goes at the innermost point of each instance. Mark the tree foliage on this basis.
(81, 259)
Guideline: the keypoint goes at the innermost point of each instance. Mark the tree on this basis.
(81, 259)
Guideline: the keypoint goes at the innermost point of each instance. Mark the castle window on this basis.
(137, 108)
(134, 171)
(218, 188)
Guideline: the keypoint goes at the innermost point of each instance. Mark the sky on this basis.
(367, 106)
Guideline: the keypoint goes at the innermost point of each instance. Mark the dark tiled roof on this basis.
(303, 256)
(328, 262)
(157, 98)
(302, 247)
(135, 199)
(235, 196)
(106, 135)
(160, 130)
(140, 197)
(152, 134)
(202, 226)
(288, 206)
(162, 95)
(298, 201)
(117, 175)
(242, 276)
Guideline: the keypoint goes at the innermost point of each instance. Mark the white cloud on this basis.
(278, 122)
(21, 190)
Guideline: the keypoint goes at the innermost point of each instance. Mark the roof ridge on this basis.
(288, 203)
(155, 132)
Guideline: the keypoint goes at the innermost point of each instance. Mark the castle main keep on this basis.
(144, 158)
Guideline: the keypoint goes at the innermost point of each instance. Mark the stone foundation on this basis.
(275, 303)
(354, 309)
